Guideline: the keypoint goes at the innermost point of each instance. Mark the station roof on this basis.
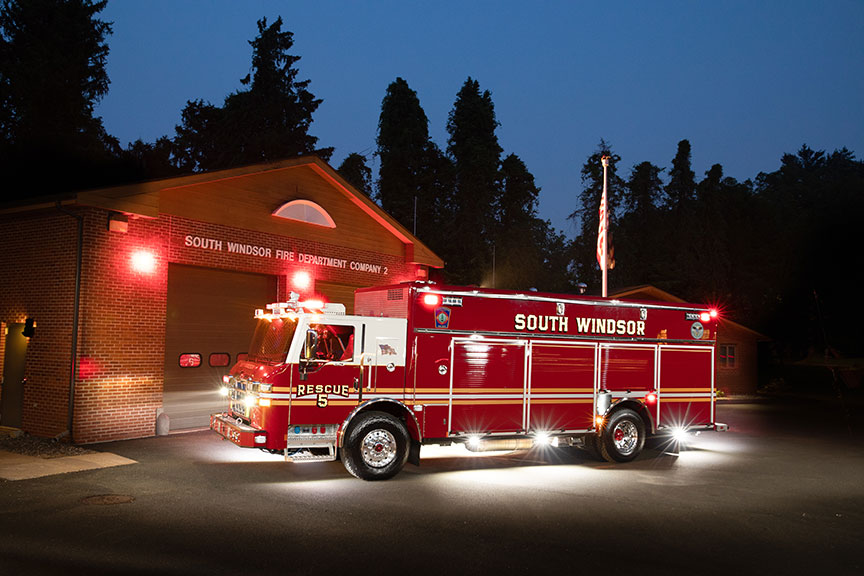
(249, 196)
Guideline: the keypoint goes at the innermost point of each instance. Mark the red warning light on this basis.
(144, 262)
(431, 299)
(709, 315)
(302, 280)
(651, 398)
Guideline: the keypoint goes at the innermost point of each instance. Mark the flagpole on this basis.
(605, 263)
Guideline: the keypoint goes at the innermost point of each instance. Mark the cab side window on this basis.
(335, 343)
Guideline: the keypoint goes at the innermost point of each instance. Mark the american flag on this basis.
(601, 233)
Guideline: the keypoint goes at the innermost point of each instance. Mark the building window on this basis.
(305, 211)
(727, 356)
(219, 359)
(190, 360)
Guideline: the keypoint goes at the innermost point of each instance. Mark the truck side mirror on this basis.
(310, 346)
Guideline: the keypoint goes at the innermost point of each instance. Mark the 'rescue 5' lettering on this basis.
(609, 326)
(338, 389)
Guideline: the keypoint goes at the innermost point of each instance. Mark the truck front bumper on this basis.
(236, 431)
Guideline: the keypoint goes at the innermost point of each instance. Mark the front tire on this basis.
(376, 446)
(623, 437)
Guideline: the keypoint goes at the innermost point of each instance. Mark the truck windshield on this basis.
(272, 339)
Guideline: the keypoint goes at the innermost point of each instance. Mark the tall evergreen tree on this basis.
(809, 235)
(516, 255)
(679, 255)
(474, 148)
(52, 73)
(357, 173)
(406, 176)
(268, 121)
(681, 188)
(528, 252)
(636, 238)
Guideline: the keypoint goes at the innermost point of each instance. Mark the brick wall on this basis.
(38, 266)
(121, 339)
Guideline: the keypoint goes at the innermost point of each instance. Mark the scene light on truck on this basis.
(543, 438)
(679, 434)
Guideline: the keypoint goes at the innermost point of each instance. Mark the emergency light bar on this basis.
(283, 309)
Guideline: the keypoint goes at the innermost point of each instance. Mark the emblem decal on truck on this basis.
(442, 317)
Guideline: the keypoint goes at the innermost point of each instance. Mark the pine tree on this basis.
(53, 57)
(528, 252)
(679, 256)
(357, 173)
(636, 235)
(414, 177)
(266, 122)
(681, 188)
(475, 151)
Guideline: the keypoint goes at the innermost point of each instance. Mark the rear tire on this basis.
(376, 446)
(623, 436)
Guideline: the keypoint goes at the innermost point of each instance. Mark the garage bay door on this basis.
(210, 322)
(341, 293)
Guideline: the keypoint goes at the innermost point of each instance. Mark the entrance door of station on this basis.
(12, 398)
(210, 322)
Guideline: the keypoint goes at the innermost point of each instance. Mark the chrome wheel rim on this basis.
(378, 448)
(625, 436)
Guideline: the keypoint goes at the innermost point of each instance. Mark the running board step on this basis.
(307, 456)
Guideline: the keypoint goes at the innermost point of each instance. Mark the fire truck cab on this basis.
(493, 369)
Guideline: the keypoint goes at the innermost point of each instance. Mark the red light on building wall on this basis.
(88, 368)
(144, 262)
(302, 280)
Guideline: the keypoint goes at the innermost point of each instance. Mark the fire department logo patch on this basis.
(442, 317)
(697, 331)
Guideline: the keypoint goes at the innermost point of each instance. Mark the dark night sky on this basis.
(744, 81)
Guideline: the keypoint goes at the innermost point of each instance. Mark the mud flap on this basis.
(414, 453)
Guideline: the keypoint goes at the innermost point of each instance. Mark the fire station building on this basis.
(124, 307)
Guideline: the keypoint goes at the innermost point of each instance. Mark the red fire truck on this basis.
(427, 364)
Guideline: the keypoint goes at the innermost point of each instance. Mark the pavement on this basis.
(14, 466)
(20, 467)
